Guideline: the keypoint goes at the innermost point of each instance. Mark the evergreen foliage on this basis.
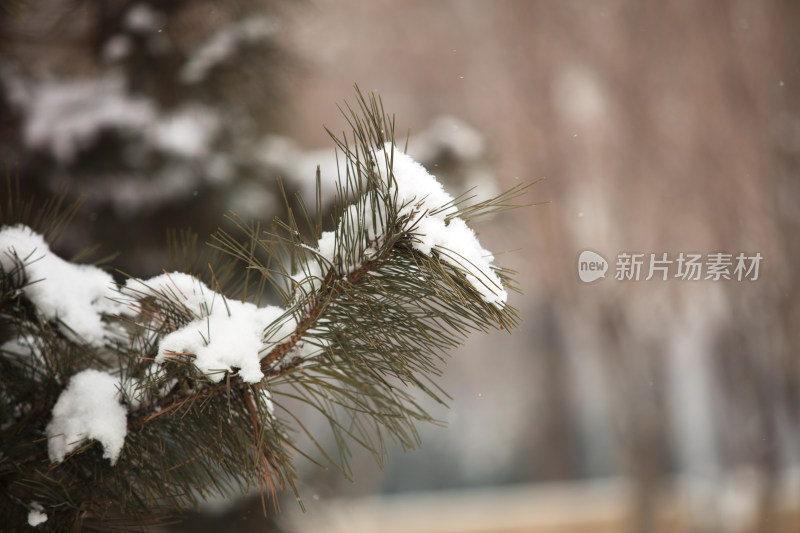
(364, 328)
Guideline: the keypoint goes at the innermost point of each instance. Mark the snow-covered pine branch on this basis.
(369, 310)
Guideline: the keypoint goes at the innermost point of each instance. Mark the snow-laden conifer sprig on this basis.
(210, 376)
(375, 313)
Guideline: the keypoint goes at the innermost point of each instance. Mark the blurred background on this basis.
(660, 127)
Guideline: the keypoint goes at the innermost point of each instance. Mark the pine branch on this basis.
(370, 310)
(317, 306)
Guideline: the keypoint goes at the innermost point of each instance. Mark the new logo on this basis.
(591, 266)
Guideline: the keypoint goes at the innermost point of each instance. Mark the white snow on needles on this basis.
(76, 295)
(428, 205)
(88, 408)
(226, 335)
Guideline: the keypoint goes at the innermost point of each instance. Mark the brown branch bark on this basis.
(317, 306)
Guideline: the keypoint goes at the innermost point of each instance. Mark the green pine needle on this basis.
(372, 332)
